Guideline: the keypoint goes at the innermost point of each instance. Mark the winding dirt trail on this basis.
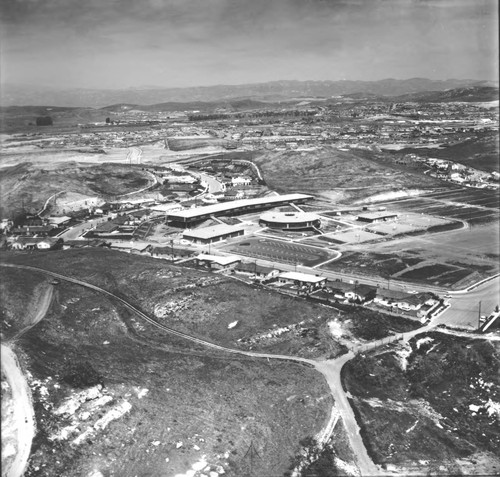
(330, 369)
(23, 414)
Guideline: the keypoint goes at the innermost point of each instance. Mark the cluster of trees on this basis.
(44, 121)
(81, 374)
(252, 114)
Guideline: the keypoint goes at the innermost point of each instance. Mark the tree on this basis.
(81, 374)
(44, 121)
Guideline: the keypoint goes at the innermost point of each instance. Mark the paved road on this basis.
(464, 309)
(77, 230)
(214, 185)
(23, 412)
(346, 277)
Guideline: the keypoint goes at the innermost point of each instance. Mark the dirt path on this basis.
(330, 369)
(41, 305)
(23, 414)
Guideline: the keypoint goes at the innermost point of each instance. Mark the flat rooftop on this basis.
(214, 231)
(237, 204)
(289, 217)
(377, 215)
(302, 277)
(226, 260)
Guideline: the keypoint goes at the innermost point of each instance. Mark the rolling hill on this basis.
(270, 91)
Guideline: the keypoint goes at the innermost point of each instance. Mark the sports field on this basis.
(279, 251)
(355, 236)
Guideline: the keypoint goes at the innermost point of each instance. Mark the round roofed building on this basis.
(290, 220)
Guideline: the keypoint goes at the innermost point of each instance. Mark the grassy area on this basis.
(214, 404)
(372, 325)
(205, 305)
(19, 292)
(480, 152)
(199, 303)
(416, 402)
(28, 186)
(323, 171)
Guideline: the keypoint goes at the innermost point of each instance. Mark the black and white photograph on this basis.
(249, 238)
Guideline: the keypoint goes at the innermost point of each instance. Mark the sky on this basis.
(111, 44)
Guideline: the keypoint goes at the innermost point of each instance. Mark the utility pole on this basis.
(479, 317)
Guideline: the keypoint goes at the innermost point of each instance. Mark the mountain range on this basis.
(276, 91)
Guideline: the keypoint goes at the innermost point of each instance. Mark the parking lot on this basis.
(279, 251)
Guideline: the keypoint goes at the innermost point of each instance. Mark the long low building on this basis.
(185, 218)
(213, 234)
(377, 217)
(302, 279)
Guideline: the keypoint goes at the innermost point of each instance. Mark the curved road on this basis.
(464, 309)
(331, 369)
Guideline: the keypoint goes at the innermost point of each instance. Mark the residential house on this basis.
(257, 272)
(215, 262)
(304, 281)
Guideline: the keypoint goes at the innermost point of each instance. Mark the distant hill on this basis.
(202, 106)
(467, 94)
(272, 91)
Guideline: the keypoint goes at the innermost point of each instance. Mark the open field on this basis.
(205, 305)
(29, 186)
(341, 176)
(416, 402)
(353, 236)
(202, 304)
(474, 206)
(280, 251)
(19, 292)
(443, 260)
(180, 406)
(178, 392)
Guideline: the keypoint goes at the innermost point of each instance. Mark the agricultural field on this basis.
(279, 251)
(183, 144)
(433, 401)
(173, 406)
(476, 207)
(428, 261)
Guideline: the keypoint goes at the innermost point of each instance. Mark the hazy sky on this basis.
(124, 43)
